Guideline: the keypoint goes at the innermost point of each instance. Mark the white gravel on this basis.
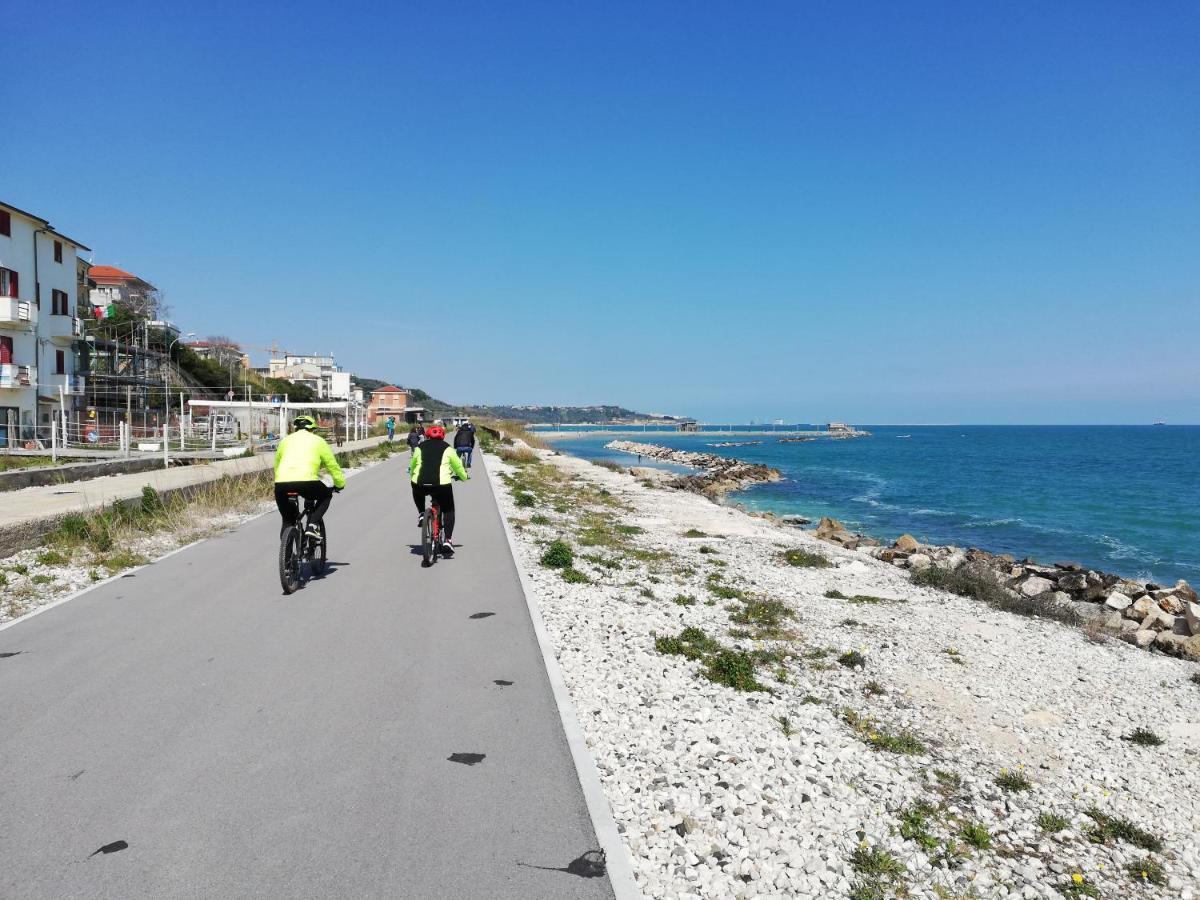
(714, 800)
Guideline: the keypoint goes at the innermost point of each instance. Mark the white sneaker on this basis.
(447, 548)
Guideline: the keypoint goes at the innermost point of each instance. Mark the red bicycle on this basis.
(431, 532)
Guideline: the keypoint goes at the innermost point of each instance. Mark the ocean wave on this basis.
(931, 512)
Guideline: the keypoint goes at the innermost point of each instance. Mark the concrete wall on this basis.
(15, 479)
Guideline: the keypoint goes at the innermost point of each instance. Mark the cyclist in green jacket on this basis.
(432, 470)
(299, 459)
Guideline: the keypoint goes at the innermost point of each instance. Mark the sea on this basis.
(1122, 499)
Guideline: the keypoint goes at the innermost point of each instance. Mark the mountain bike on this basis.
(298, 551)
(431, 531)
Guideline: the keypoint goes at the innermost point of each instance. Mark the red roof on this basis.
(112, 275)
(388, 389)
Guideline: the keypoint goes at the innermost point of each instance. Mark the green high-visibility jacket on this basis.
(433, 462)
(300, 457)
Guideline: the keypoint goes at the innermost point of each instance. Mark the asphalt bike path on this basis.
(387, 731)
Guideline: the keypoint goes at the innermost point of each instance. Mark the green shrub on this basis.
(1012, 781)
(804, 559)
(976, 835)
(852, 659)
(51, 558)
(684, 600)
(981, 586)
(151, 503)
(122, 559)
(19, 568)
(766, 615)
(558, 555)
(41, 579)
(630, 529)
(692, 642)
(539, 519)
(694, 533)
(1052, 822)
(1146, 871)
(733, 668)
(574, 576)
(1143, 737)
(524, 500)
(1106, 828)
(914, 826)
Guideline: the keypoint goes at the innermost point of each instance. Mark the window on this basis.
(58, 303)
(5, 223)
(8, 283)
(60, 362)
(58, 251)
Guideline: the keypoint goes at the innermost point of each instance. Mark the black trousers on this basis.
(318, 492)
(444, 495)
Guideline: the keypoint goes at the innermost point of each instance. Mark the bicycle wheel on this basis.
(426, 539)
(289, 560)
(318, 553)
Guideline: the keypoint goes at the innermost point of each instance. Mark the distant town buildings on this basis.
(225, 354)
(320, 373)
(39, 326)
(391, 401)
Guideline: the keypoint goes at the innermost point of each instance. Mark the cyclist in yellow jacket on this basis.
(432, 469)
(299, 459)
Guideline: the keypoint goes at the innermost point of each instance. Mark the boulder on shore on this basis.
(907, 543)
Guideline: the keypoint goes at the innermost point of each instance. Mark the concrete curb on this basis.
(619, 866)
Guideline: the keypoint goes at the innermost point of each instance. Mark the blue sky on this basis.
(917, 212)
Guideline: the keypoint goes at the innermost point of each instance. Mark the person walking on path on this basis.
(414, 438)
(464, 443)
(391, 428)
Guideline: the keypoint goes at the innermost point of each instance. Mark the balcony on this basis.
(72, 385)
(16, 313)
(16, 378)
(62, 328)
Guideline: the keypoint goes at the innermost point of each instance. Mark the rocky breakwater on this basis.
(717, 475)
(1148, 615)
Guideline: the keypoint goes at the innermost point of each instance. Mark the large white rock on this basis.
(1036, 585)
(1191, 612)
(1118, 601)
(919, 561)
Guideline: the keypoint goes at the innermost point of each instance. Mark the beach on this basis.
(775, 716)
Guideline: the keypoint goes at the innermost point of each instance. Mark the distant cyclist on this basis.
(432, 470)
(464, 443)
(299, 459)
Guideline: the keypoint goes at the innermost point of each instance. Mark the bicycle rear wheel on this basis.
(318, 553)
(289, 560)
(426, 538)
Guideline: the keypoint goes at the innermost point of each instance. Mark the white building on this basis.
(39, 327)
(320, 373)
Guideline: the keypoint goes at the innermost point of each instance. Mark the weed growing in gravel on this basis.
(1147, 871)
(948, 780)
(1196, 678)
(707, 549)
(873, 689)
(19, 569)
(976, 835)
(852, 659)
(1106, 828)
(914, 826)
(52, 558)
(850, 623)
(950, 856)
(3, 578)
(684, 600)
(878, 873)
(694, 533)
(1012, 781)
(803, 559)
(723, 591)
(539, 519)
(604, 562)
(1052, 822)
(41, 579)
(955, 656)
(630, 529)
(572, 575)
(816, 653)
(739, 634)
(524, 500)
(767, 617)
(1143, 737)
(691, 643)
(558, 555)
(647, 593)
(733, 668)
(835, 594)
(94, 575)
(879, 738)
(810, 700)
(786, 724)
(122, 559)
(1078, 886)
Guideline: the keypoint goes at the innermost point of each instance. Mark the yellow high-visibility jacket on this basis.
(300, 457)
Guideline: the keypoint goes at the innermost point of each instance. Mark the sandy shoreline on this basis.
(788, 792)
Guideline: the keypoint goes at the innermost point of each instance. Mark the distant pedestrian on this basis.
(391, 428)
(464, 443)
(414, 437)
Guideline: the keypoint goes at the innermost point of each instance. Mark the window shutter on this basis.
(60, 361)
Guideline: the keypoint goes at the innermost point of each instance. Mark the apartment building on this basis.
(320, 373)
(39, 327)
